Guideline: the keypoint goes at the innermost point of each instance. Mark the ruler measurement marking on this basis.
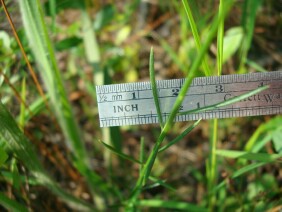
(135, 100)
(115, 97)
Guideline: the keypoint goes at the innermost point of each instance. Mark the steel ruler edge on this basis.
(133, 103)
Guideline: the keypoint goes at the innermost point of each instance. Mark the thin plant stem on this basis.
(212, 176)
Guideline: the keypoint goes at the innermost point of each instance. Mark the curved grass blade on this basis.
(195, 35)
(182, 135)
(262, 157)
(154, 88)
(240, 172)
(37, 34)
(227, 102)
(157, 203)
(11, 205)
(16, 142)
(3, 156)
(122, 155)
(151, 159)
(158, 182)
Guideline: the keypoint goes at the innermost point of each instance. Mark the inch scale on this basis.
(133, 103)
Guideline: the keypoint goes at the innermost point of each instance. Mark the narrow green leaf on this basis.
(15, 173)
(255, 65)
(8, 176)
(173, 55)
(240, 172)
(195, 35)
(182, 135)
(11, 205)
(122, 155)
(262, 157)
(154, 88)
(156, 203)
(220, 40)
(258, 139)
(250, 9)
(41, 45)
(68, 43)
(104, 16)
(160, 182)
(277, 140)
(22, 110)
(3, 156)
(227, 102)
(16, 142)
(52, 11)
(35, 108)
(152, 157)
(142, 154)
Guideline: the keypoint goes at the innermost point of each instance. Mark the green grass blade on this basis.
(255, 66)
(154, 88)
(41, 46)
(194, 68)
(227, 102)
(173, 55)
(220, 38)
(8, 176)
(262, 157)
(11, 205)
(240, 172)
(35, 108)
(250, 8)
(142, 154)
(157, 203)
(16, 142)
(195, 34)
(181, 136)
(52, 11)
(151, 159)
(212, 161)
(122, 155)
(161, 182)
(3, 155)
(22, 108)
(258, 139)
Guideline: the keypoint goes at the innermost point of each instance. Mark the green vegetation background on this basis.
(53, 154)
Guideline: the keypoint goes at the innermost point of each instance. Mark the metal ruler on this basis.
(133, 103)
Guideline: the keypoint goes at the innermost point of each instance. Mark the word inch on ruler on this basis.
(133, 103)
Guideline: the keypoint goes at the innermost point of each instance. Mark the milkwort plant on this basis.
(105, 192)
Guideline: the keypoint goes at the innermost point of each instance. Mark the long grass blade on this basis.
(195, 34)
(11, 205)
(162, 183)
(35, 27)
(122, 155)
(157, 203)
(151, 159)
(31, 71)
(154, 88)
(227, 102)
(22, 110)
(3, 155)
(181, 136)
(240, 172)
(16, 142)
(212, 161)
(262, 157)
(250, 9)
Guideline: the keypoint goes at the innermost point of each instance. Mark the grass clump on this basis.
(52, 142)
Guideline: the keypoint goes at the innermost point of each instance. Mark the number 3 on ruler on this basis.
(219, 88)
